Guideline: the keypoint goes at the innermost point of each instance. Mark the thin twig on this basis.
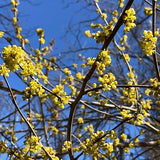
(138, 86)
(155, 61)
(43, 122)
(101, 12)
(96, 110)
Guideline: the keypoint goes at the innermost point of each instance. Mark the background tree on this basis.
(100, 103)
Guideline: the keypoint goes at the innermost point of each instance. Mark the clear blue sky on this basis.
(51, 15)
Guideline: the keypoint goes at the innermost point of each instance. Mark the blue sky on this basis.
(51, 15)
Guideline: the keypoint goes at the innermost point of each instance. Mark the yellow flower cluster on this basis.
(1, 34)
(13, 57)
(34, 89)
(124, 39)
(104, 60)
(104, 15)
(121, 3)
(10, 132)
(137, 120)
(38, 116)
(67, 71)
(59, 91)
(90, 61)
(68, 78)
(47, 65)
(73, 89)
(51, 152)
(125, 45)
(32, 144)
(126, 149)
(129, 19)
(146, 104)
(155, 91)
(127, 58)
(74, 65)
(148, 42)
(125, 113)
(4, 71)
(3, 147)
(80, 120)
(66, 146)
(40, 33)
(100, 35)
(129, 95)
(115, 13)
(14, 2)
(108, 82)
(54, 129)
(89, 128)
(79, 75)
(88, 146)
(148, 11)
(93, 147)
(123, 136)
(103, 101)
(83, 65)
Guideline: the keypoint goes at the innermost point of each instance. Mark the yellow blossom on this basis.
(121, 3)
(104, 16)
(13, 2)
(3, 147)
(34, 89)
(126, 114)
(54, 129)
(74, 65)
(13, 56)
(131, 145)
(87, 33)
(124, 137)
(148, 11)
(4, 70)
(67, 71)
(148, 42)
(66, 146)
(40, 32)
(51, 152)
(126, 149)
(127, 57)
(79, 75)
(80, 120)
(136, 140)
(1, 34)
(108, 82)
(14, 19)
(42, 40)
(32, 144)
(129, 19)
(115, 13)
(26, 41)
(38, 116)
